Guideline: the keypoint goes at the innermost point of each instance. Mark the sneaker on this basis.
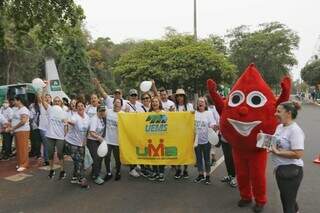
(84, 183)
(244, 203)
(21, 169)
(74, 180)
(99, 181)
(226, 179)
(257, 208)
(233, 183)
(161, 178)
(145, 173)
(62, 175)
(134, 173)
(199, 179)
(118, 176)
(154, 176)
(107, 177)
(207, 181)
(178, 174)
(185, 174)
(5, 158)
(51, 174)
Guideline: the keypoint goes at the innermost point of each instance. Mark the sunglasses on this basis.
(133, 95)
(145, 98)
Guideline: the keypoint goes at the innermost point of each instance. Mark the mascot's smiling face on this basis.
(249, 108)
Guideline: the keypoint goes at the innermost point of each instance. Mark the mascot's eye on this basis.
(236, 98)
(256, 99)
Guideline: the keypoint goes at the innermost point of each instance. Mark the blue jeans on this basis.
(203, 153)
(44, 141)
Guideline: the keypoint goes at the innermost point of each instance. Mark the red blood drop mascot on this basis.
(247, 110)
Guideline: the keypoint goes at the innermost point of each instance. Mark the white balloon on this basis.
(102, 149)
(213, 137)
(145, 86)
(38, 84)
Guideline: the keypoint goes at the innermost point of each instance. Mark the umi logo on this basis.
(159, 151)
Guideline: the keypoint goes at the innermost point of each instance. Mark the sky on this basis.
(147, 19)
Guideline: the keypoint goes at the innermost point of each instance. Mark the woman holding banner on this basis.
(203, 121)
(158, 170)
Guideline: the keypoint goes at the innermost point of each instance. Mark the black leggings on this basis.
(288, 186)
(116, 154)
(93, 148)
(228, 159)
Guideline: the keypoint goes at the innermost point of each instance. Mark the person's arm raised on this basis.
(97, 84)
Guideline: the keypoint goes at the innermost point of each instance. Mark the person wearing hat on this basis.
(109, 101)
(97, 131)
(182, 105)
(133, 105)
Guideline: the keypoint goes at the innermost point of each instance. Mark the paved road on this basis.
(38, 194)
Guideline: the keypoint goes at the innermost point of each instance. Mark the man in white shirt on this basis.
(166, 103)
(108, 100)
(133, 105)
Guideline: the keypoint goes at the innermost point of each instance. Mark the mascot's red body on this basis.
(249, 109)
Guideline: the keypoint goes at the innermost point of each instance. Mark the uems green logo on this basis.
(150, 151)
(157, 124)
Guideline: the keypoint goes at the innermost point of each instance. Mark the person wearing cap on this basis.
(97, 131)
(133, 106)
(108, 100)
(182, 105)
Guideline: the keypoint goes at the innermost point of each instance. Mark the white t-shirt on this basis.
(55, 128)
(182, 108)
(167, 105)
(112, 128)
(91, 110)
(43, 119)
(143, 109)
(288, 138)
(77, 135)
(3, 121)
(7, 113)
(203, 121)
(109, 103)
(97, 126)
(137, 107)
(215, 113)
(16, 118)
(71, 113)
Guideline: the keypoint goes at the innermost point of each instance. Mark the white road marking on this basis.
(220, 161)
(18, 177)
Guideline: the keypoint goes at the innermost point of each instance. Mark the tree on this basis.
(310, 73)
(270, 47)
(175, 61)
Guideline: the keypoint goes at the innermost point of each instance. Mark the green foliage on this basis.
(175, 61)
(270, 47)
(310, 73)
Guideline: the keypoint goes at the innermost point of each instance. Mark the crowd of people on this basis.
(88, 123)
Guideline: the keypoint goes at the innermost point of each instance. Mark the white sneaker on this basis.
(21, 169)
(134, 173)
